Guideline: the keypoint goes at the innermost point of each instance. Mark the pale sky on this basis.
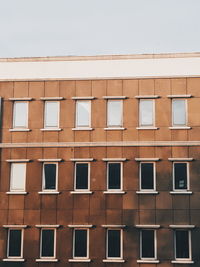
(98, 27)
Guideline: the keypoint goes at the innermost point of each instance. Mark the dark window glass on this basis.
(114, 176)
(80, 243)
(147, 179)
(49, 176)
(81, 176)
(148, 246)
(114, 246)
(182, 244)
(47, 243)
(180, 175)
(15, 243)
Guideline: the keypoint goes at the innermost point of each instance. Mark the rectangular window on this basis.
(50, 176)
(15, 243)
(47, 245)
(18, 177)
(146, 112)
(81, 176)
(114, 113)
(147, 244)
(114, 244)
(182, 244)
(179, 112)
(20, 114)
(80, 248)
(83, 113)
(114, 174)
(180, 173)
(51, 115)
(147, 176)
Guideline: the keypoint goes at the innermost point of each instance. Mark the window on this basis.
(51, 115)
(15, 243)
(180, 173)
(83, 113)
(114, 174)
(81, 243)
(18, 177)
(81, 176)
(50, 176)
(146, 112)
(148, 244)
(147, 176)
(47, 243)
(20, 114)
(179, 112)
(114, 244)
(114, 113)
(182, 239)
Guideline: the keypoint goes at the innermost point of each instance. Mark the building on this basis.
(100, 161)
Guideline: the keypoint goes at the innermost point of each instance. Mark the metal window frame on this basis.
(75, 171)
(186, 112)
(43, 177)
(121, 113)
(121, 243)
(121, 176)
(188, 179)
(154, 176)
(22, 243)
(45, 114)
(11, 177)
(155, 245)
(153, 116)
(190, 245)
(54, 245)
(87, 245)
(14, 115)
(89, 113)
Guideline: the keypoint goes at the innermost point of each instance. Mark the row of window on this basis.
(147, 177)
(114, 114)
(114, 244)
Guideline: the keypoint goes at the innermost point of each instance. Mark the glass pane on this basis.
(49, 176)
(18, 175)
(115, 113)
(81, 176)
(80, 246)
(148, 246)
(146, 112)
(182, 244)
(180, 174)
(114, 246)
(47, 243)
(147, 177)
(179, 112)
(14, 249)
(114, 176)
(83, 114)
(20, 116)
(51, 114)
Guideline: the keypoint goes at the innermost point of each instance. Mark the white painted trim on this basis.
(182, 262)
(50, 160)
(179, 96)
(80, 225)
(50, 226)
(114, 129)
(48, 192)
(82, 159)
(147, 226)
(19, 130)
(113, 225)
(113, 260)
(181, 192)
(46, 260)
(51, 129)
(83, 97)
(49, 98)
(79, 260)
(82, 129)
(114, 97)
(147, 159)
(148, 261)
(16, 193)
(20, 98)
(19, 226)
(180, 128)
(114, 159)
(147, 128)
(81, 192)
(14, 259)
(143, 192)
(147, 96)
(17, 160)
(180, 159)
(114, 192)
(184, 226)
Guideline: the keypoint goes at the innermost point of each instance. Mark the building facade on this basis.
(100, 161)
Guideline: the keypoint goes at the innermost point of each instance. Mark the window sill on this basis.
(114, 128)
(147, 128)
(181, 192)
(79, 260)
(82, 129)
(147, 192)
(16, 193)
(114, 192)
(180, 128)
(19, 130)
(81, 192)
(114, 260)
(182, 262)
(48, 192)
(14, 260)
(46, 260)
(148, 261)
(51, 129)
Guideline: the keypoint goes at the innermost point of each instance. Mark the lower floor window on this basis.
(114, 243)
(14, 247)
(147, 244)
(80, 247)
(47, 249)
(182, 244)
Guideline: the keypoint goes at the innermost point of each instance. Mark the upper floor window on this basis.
(182, 239)
(180, 175)
(83, 116)
(50, 173)
(179, 117)
(47, 243)
(148, 244)
(114, 113)
(114, 244)
(20, 114)
(114, 176)
(146, 112)
(15, 243)
(18, 177)
(51, 114)
(81, 176)
(147, 176)
(81, 244)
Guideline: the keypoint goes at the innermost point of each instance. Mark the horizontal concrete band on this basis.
(100, 144)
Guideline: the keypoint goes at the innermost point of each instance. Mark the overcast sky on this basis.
(97, 27)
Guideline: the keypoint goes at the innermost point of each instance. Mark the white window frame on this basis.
(154, 177)
(121, 244)
(82, 190)
(121, 111)
(43, 177)
(121, 177)
(89, 111)
(73, 253)
(45, 114)
(14, 115)
(186, 114)
(190, 246)
(11, 177)
(188, 179)
(155, 246)
(22, 243)
(49, 257)
(140, 117)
